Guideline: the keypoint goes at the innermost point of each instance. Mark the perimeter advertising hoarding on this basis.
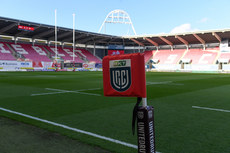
(70, 65)
(14, 65)
(88, 65)
(98, 65)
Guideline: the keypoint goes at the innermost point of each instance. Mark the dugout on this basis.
(184, 61)
(221, 62)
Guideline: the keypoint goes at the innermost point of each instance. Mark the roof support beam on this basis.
(7, 27)
(43, 34)
(200, 39)
(217, 36)
(166, 41)
(71, 38)
(61, 35)
(151, 41)
(182, 40)
(98, 40)
(85, 40)
(137, 42)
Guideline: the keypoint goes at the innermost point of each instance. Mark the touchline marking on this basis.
(77, 91)
(164, 82)
(59, 91)
(89, 89)
(214, 109)
(72, 129)
(49, 93)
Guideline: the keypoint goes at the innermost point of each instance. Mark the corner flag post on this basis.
(56, 34)
(124, 76)
(73, 38)
(144, 102)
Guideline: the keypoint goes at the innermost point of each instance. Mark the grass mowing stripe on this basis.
(213, 109)
(70, 128)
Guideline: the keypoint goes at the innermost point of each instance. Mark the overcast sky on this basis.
(148, 16)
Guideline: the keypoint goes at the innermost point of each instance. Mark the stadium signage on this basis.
(116, 52)
(145, 128)
(120, 74)
(124, 75)
(12, 65)
(26, 28)
(115, 47)
(71, 65)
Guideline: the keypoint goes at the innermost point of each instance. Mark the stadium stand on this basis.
(200, 56)
(148, 55)
(38, 53)
(168, 56)
(5, 52)
(66, 54)
(224, 55)
(206, 49)
(89, 56)
(33, 53)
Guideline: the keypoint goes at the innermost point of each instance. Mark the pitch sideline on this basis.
(213, 109)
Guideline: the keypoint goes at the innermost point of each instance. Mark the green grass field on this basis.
(180, 128)
(17, 137)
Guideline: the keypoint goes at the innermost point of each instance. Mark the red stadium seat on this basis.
(200, 56)
(148, 55)
(89, 56)
(5, 52)
(34, 53)
(168, 56)
(66, 53)
(224, 55)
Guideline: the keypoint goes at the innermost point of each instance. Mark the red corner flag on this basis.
(124, 75)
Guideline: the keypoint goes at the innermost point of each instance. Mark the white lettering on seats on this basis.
(202, 61)
(69, 52)
(80, 52)
(53, 49)
(171, 59)
(19, 49)
(39, 50)
(3, 50)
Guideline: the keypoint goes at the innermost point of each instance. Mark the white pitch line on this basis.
(84, 93)
(213, 109)
(72, 129)
(49, 93)
(74, 90)
(54, 89)
(77, 91)
(89, 89)
(66, 91)
(164, 82)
